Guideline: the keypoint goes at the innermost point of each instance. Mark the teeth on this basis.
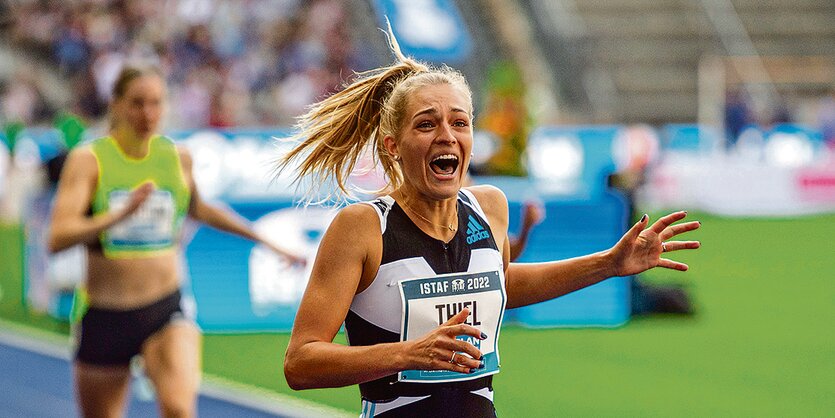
(445, 164)
(445, 157)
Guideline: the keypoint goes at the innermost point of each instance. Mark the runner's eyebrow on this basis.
(430, 111)
(434, 112)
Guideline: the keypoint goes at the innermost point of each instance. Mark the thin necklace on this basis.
(449, 226)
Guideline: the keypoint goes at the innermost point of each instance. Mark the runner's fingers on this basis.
(458, 318)
(681, 245)
(636, 229)
(680, 229)
(473, 353)
(447, 346)
(139, 195)
(662, 223)
(464, 329)
(458, 367)
(143, 191)
(466, 361)
(673, 265)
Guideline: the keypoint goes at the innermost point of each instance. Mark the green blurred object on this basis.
(12, 299)
(72, 127)
(11, 130)
(506, 116)
(11, 269)
(504, 78)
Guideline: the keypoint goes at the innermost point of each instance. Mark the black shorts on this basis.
(111, 337)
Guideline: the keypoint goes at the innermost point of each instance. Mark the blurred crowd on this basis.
(741, 114)
(228, 62)
(254, 63)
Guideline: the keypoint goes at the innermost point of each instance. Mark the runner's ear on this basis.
(459, 318)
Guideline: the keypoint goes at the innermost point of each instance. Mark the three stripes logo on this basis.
(475, 232)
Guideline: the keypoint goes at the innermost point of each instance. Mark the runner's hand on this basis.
(291, 258)
(533, 213)
(435, 350)
(137, 197)
(643, 246)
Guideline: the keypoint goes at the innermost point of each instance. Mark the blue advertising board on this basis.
(428, 30)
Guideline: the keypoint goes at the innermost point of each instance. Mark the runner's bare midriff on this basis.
(130, 282)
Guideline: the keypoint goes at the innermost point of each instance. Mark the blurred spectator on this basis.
(88, 104)
(781, 114)
(254, 62)
(191, 100)
(71, 48)
(22, 100)
(737, 115)
(192, 50)
(826, 117)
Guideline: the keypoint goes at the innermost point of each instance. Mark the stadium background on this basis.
(722, 107)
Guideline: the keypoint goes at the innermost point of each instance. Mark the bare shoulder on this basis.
(81, 162)
(357, 218)
(491, 199)
(82, 154)
(353, 236)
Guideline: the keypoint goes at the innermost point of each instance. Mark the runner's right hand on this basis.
(434, 350)
(137, 197)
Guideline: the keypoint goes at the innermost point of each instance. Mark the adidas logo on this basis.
(475, 232)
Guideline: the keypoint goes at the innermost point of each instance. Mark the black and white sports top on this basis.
(416, 276)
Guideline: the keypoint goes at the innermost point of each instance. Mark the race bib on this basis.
(429, 302)
(151, 225)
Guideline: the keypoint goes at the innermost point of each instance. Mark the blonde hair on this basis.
(335, 132)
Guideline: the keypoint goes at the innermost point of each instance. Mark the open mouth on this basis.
(444, 165)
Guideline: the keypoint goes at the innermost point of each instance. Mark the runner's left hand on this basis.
(641, 248)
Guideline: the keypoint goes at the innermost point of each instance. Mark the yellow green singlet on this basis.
(155, 226)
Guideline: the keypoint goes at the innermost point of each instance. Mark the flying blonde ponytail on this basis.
(335, 132)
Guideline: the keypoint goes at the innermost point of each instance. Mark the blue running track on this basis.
(36, 381)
